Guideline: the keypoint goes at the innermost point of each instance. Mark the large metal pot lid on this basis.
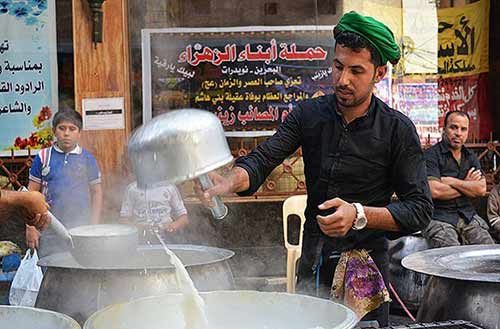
(102, 230)
(472, 263)
(146, 257)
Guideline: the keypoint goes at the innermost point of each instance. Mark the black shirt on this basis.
(365, 161)
(440, 163)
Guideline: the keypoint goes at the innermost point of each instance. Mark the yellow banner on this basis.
(463, 39)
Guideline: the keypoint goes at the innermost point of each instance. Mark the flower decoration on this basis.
(40, 138)
(27, 10)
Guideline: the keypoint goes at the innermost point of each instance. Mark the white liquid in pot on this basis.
(193, 306)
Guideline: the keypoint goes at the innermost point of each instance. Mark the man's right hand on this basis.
(34, 209)
(32, 237)
(222, 186)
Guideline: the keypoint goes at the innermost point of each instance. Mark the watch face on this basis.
(360, 223)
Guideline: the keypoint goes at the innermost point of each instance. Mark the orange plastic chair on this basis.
(294, 205)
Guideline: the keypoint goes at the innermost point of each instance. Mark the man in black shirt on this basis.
(455, 176)
(357, 152)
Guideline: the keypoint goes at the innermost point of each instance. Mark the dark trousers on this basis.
(306, 282)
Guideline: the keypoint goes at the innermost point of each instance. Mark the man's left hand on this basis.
(340, 222)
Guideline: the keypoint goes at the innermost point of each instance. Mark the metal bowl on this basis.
(228, 309)
(103, 245)
(20, 317)
(178, 146)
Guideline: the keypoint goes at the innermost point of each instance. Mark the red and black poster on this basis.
(250, 78)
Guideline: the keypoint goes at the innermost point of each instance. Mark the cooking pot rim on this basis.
(350, 321)
(431, 262)
(35, 311)
(61, 260)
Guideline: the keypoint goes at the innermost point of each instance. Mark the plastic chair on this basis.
(294, 205)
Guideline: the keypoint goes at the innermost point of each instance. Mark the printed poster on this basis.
(251, 78)
(28, 74)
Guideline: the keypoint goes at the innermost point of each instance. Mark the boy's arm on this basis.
(34, 184)
(178, 224)
(96, 202)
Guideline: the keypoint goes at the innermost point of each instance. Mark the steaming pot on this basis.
(465, 284)
(228, 309)
(79, 291)
(20, 317)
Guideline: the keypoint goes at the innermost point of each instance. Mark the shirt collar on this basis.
(76, 150)
(371, 109)
(444, 148)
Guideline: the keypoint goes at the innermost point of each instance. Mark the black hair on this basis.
(68, 115)
(356, 42)
(461, 113)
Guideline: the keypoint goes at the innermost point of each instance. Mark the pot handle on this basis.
(219, 211)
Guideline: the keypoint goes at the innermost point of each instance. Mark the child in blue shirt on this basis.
(69, 178)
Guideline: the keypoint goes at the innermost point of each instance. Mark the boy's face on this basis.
(67, 134)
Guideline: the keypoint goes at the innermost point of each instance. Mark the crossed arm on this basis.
(447, 188)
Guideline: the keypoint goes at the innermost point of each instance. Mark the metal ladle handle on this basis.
(219, 211)
(55, 224)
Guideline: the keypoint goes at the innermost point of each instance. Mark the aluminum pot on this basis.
(228, 309)
(178, 146)
(465, 284)
(101, 245)
(409, 285)
(79, 291)
(20, 317)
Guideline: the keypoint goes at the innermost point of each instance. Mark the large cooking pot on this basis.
(409, 285)
(228, 309)
(178, 146)
(79, 291)
(465, 284)
(20, 317)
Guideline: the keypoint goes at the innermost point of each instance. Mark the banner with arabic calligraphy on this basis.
(251, 78)
(419, 101)
(463, 34)
(468, 94)
(28, 73)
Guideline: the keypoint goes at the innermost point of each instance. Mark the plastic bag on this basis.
(26, 283)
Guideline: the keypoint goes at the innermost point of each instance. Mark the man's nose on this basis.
(343, 79)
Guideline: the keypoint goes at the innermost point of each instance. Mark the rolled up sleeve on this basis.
(269, 154)
(414, 209)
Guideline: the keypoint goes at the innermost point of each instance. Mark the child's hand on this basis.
(172, 227)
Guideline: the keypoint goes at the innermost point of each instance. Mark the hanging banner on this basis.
(251, 78)
(420, 41)
(468, 94)
(463, 34)
(419, 101)
(28, 74)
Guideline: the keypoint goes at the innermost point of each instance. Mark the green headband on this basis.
(375, 32)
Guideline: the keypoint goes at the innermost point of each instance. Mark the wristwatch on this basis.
(360, 221)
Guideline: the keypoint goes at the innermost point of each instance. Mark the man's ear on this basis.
(380, 72)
